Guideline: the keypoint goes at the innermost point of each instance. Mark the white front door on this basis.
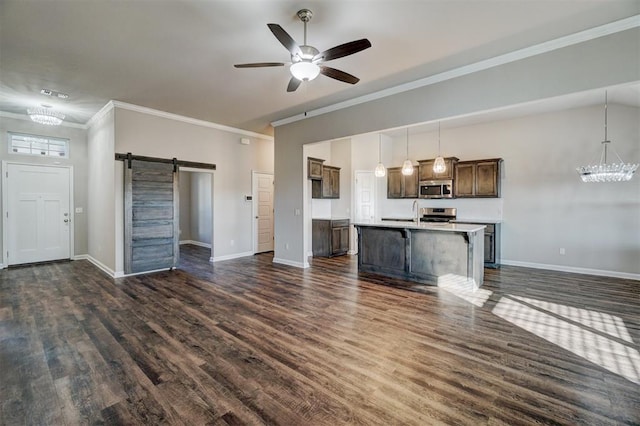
(263, 209)
(38, 214)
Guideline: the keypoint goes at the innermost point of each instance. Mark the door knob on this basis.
(66, 220)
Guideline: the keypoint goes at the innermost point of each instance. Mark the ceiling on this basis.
(178, 56)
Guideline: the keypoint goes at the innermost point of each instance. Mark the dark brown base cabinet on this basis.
(491, 244)
(329, 237)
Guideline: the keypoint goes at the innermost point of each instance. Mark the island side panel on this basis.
(382, 250)
(439, 254)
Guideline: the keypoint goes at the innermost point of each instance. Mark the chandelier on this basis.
(45, 115)
(603, 171)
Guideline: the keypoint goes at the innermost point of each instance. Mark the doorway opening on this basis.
(196, 234)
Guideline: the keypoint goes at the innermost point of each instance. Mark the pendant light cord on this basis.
(438, 139)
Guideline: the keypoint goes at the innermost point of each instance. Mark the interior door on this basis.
(38, 214)
(151, 216)
(365, 197)
(263, 202)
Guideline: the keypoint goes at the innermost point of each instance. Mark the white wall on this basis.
(77, 158)
(158, 136)
(101, 211)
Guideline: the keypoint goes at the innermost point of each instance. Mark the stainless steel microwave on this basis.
(436, 189)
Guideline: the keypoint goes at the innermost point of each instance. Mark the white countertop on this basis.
(429, 226)
(485, 221)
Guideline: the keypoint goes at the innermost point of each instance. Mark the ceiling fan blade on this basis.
(294, 83)
(286, 40)
(338, 75)
(260, 64)
(343, 50)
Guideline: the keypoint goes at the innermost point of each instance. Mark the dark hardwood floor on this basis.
(247, 341)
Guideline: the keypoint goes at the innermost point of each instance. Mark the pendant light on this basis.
(603, 171)
(380, 170)
(407, 166)
(439, 166)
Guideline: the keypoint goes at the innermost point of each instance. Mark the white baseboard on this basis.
(575, 270)
(303, 265)
(195, 243)
(2, 266)
(97, 263)
(352, 252)
(231, 256)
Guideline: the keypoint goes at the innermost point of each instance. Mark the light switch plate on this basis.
(78, 209)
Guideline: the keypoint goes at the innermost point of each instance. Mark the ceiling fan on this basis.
(307, 61)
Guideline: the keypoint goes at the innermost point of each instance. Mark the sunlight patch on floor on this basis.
(606, 323)
(597, 348)
(464, 288)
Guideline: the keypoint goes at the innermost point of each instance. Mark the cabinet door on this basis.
(425, 170)
(314, 168)
(326, 182)
(448, 172)
(339, 240)
(410, 186)
(394, 182)
(464, 184)
(489, 249)
(335, 183)
(487, 179)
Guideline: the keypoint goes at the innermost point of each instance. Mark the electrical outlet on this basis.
(286, 246)
(562, 251)
(232, 243)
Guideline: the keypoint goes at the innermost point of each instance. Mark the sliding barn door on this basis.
(151, 216)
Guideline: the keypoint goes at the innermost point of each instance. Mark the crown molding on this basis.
(189, 120)
(527, 52)
(100, 114)
(25, 117)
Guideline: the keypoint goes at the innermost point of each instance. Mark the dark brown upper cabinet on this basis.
(401, 186)
(425, 169)
(477, 179)
(329, 185)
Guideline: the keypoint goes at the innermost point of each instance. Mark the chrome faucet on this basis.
(415, 207)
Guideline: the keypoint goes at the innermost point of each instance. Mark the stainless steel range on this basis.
(437, 214)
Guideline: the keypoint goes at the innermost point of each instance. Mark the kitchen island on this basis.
(429, 253)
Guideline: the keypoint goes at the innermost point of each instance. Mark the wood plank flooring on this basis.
(247, 341)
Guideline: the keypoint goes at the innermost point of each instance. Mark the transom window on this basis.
(42, 146)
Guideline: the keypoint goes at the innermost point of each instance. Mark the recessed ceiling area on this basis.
(178, 56)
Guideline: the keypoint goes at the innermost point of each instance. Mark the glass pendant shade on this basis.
(380, 171)
(407, 166)
(439, 166)
(45, 115)
(304, 70)
(603, 171)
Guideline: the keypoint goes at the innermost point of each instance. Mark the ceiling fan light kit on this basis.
(306, 61)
